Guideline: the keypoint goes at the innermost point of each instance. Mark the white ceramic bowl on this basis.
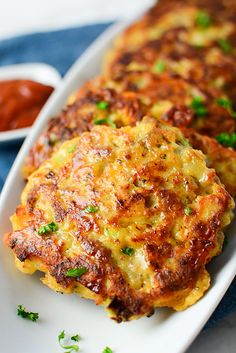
(164, 332)
(38, 72)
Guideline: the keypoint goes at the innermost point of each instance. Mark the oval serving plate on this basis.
(164, 332)
(38, 72)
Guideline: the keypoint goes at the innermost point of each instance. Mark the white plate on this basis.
(38, 72)
(164, 332)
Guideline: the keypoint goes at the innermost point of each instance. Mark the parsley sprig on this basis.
(127, 250)
(203, 20)
(91, 209)
(71, 347)
(107, 350)
(225, 46)
(48, 228)
(198, 106)
(21, 311)
(227, 140)
(107, 121)
(159, 66)
(187, 210)
(72, 149)
(103, 105)
(227, 104)
(76, 272)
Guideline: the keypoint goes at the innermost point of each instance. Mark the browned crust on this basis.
(222, 159)
(172, 47)
(125, 100)
(78, 118)
(104, 277)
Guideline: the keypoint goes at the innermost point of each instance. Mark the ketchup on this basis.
(20, 102)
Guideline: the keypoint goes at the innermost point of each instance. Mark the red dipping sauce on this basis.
(20, 102)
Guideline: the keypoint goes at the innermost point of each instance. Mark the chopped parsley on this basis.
(107, 350)
(159, 67)
(48, 228)
(198, 106)
(71, 347)
(107, 121)
(76, 272)
(203, 20)
(102, 105)
(75, 338)
(72, 149)
(127, 251)
(187, 210)
(225, 46)
(185, 142)
(21, 311)
(227, 140)
(91, 209)
(227, 104)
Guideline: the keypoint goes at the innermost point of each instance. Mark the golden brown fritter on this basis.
(222, 159)
(126, 101)
(133, 214)
(194, 39)
(165, 15)
(121, 109)
(162, 93)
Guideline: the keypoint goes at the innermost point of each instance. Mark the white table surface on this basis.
(25, 16)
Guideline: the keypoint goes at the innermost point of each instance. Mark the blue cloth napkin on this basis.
(60, 49)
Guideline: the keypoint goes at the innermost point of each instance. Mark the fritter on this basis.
(207, 109)
(91, 107)
(127, 217)
(194, 39)
(222, 159)
(124, 102)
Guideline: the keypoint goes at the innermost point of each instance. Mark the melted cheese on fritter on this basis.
(149, 191)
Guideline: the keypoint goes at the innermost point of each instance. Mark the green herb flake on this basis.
(227, 140)
(75, 338)
(127, 251)
(21, 311)
(107, 350)
(187, 210)
(48, 228)
(71, 347)
(198, 106)
(225, 46)
(186, 142)
(72, 149)
(227, 104)
(102, 105)
(224, 102)
(91, 209)
(61, 335)
(203, 20)
(159, 67)
(76, 272)
(104, 121)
